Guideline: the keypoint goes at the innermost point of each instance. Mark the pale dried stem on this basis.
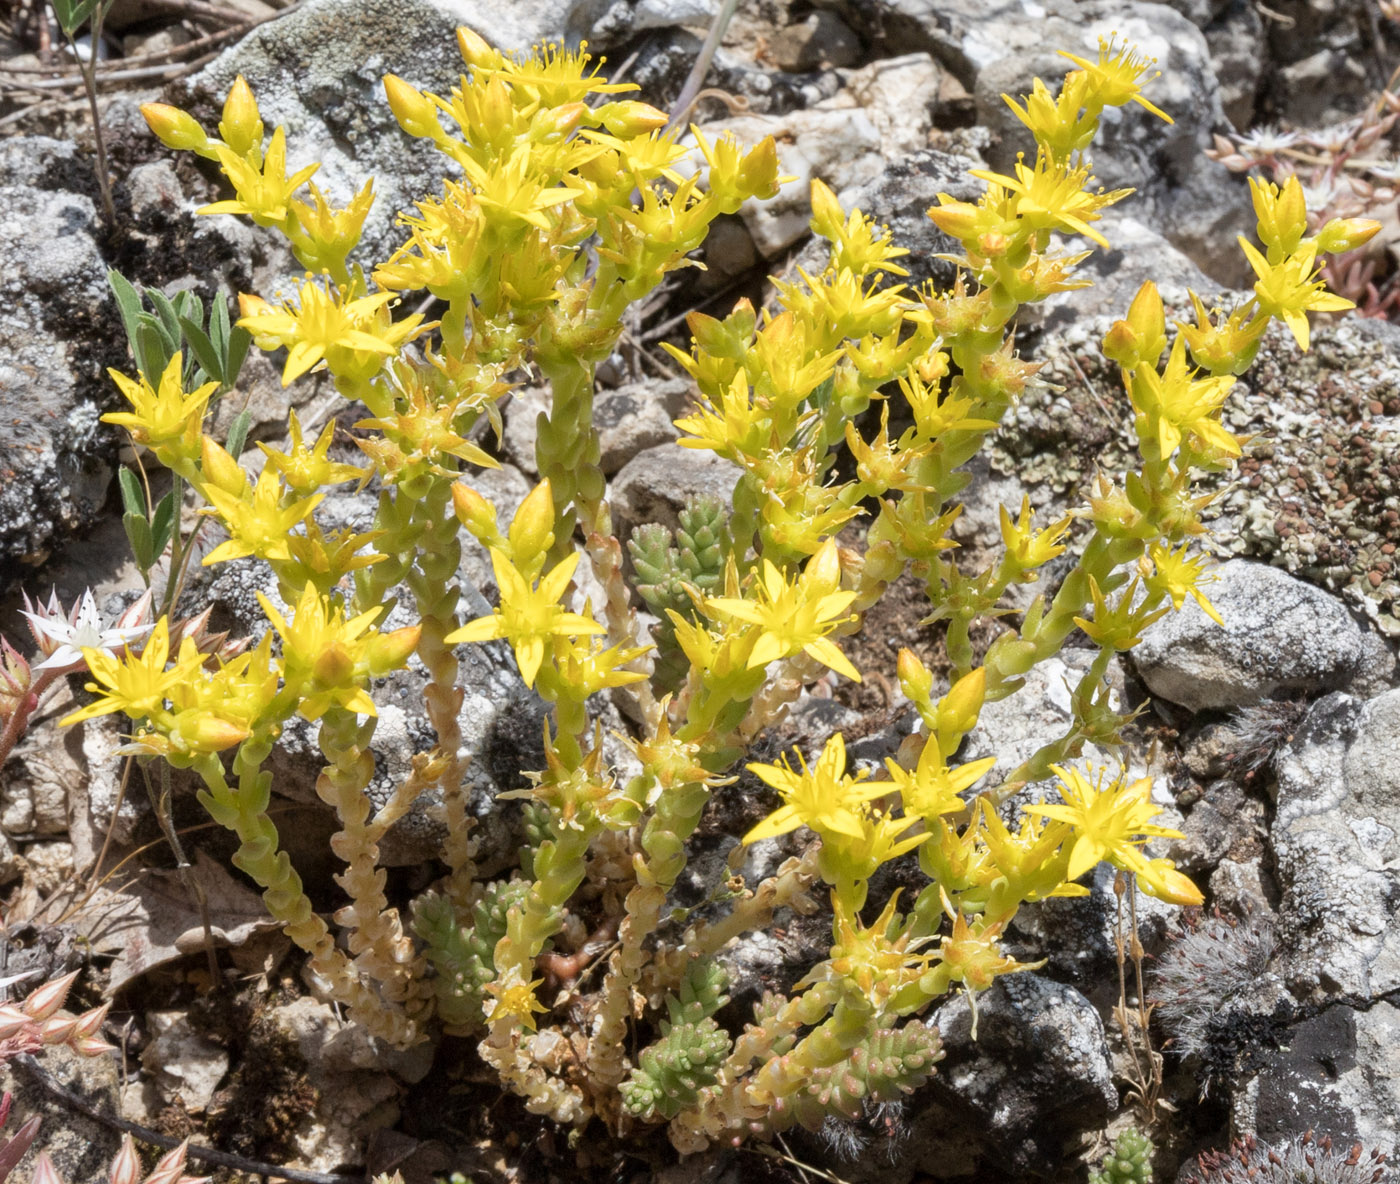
(785, 889)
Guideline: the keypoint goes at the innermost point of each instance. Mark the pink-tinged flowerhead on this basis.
(61, 637)
(15, 680)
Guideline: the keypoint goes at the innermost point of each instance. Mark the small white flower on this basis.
(1265, 141)
(62, 638)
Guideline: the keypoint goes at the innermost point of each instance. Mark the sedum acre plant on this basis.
(564, 204)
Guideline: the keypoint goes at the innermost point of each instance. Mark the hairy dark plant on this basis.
(1261, 731)
(1303, 1160)
(1203, 975)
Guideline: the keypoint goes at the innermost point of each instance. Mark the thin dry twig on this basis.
(222, 1159)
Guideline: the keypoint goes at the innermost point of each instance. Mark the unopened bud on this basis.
(391, 650)
(823, 571)
(58, 1029)
(959, 708)
(91, 1046)
(562, 121)
(12, 1022)
(914, 677)
(1282, 213)
(126, 1164)
(175, 128)
(90, 1022)
(219, 469)
(828, 218)
(333, 667)
(44, 1171)
(532, 529)
(1346, 234)
(630, 118)
(412, 108)
(15, 679)
(758, 171)
(170, 1168)
(241, 127)
(475, 513)
(475, 50)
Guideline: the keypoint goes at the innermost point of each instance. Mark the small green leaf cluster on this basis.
(1130, 1161)
(667, 563)
(461, 955)
(687, 1057)
(887, 1065)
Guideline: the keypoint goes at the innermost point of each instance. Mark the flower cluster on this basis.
(569, 203)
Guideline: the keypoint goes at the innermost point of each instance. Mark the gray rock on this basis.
(1239, 55)
(820, 39)
(1298, 27)
(1280, 635)
(1196, 204)
(1223, 822)
(1137, 253)
(81, 1149)
(1038, 1069)
(655, 485)
(55, 338)
(884, 111)
(1242, 889)
(1335, 840)
(899, 199)
(1335, 1073)
(1326, 87)
(965, 35)
(630, 419)
(1199, 12)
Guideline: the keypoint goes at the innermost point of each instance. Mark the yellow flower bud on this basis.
(1142, 336)
(828, 218)
(1283, 213)
(563, 121)
(629, 119)
(475, 50)
(412, 108)
(1346, 234)
(1160, 879)
(475, 513)
(175, 128)
(914, 677)
(241, 127)
(389, 651)
(959, 708)
(220, 470)
(333, 666)
(532, 529)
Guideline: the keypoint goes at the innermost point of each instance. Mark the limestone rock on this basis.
(1335, 840)
(55, 338)
(1038, 1067)
(1280, 635)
